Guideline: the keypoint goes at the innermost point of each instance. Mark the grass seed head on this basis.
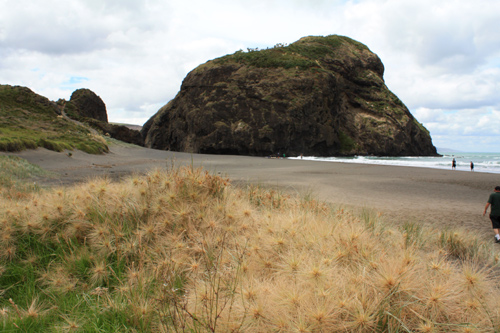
(69, 325)
(35, 309)
(304, 267)
(426, 327)
(99, 273)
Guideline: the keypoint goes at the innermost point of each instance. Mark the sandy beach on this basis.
(401, 194)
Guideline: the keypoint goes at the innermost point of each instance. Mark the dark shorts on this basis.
(495, 221)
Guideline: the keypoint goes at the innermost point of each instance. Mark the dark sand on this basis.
(437, 197)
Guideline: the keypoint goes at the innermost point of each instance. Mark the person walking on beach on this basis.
(471, 166)
(453, 164)
(494, 202)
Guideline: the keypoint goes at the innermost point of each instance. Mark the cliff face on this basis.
(89, 105)
(86, 106)
(322, 96)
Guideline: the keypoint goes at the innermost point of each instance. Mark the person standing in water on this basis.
(471, 166)
(494, 202)
(453, 164)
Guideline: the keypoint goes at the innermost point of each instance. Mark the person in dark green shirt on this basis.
(494, 202)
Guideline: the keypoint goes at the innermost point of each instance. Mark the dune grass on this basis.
(17, 175)
(181, 250)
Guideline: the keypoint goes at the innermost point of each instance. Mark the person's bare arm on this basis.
(486, 208)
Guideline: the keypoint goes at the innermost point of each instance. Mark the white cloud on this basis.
(440, 56)
(465, 129)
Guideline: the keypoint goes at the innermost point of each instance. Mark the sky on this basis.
(441, 58)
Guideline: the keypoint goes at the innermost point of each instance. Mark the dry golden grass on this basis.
(182, 250)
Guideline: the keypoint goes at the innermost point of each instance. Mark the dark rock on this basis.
(87, 104)
(322, 96)
(118, 132)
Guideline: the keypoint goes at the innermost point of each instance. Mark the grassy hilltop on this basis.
(307, 53)
(181, 250)
(28, 121)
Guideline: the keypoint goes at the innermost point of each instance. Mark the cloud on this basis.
(442, 58)
(461, 122)
(54, 27)
(432, 50)
(59, 27)
(443, 35)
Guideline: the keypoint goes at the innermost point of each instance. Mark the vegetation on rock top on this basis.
(303, 54)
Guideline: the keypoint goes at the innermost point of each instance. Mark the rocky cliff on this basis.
(86, 106)
(322, 96)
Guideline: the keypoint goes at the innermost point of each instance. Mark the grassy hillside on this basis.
(28, 121)
(182, 250)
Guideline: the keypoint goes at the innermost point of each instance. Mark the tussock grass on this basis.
(183, 250)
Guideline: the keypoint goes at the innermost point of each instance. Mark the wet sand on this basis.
(440, 198)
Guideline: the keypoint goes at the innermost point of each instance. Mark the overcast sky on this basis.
(442, 58)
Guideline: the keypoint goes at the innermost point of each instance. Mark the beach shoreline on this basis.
(439, 198)
(481, 162)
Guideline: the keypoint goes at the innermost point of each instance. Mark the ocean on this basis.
(483, 162)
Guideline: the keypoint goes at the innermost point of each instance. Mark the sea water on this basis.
(483, 162)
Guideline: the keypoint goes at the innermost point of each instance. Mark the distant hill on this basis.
(28, 121)
(131, 126)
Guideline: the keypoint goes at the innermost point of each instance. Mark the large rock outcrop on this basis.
(88, 105)
(322, 96)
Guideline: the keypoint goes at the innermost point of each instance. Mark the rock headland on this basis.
(322, 96)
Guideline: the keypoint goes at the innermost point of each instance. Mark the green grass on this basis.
(17, 175)
(304, 54)
(346, 142)
(28, 121)
(273, 58)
